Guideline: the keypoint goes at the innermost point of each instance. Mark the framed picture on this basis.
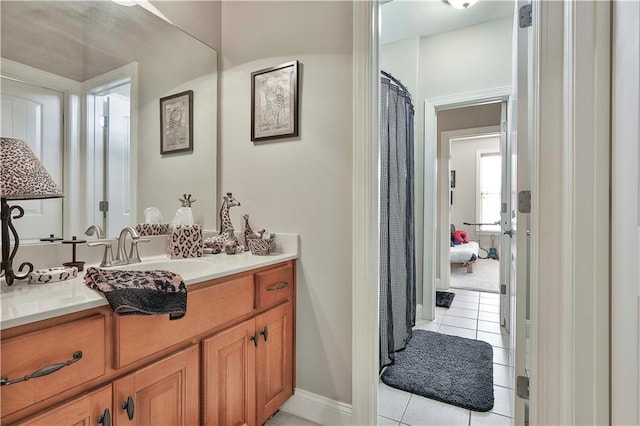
(453, 178)
(274, 102)
(176, 123)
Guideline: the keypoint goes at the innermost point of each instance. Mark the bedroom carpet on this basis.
(444, 298)
(450, 369)
(485, 276)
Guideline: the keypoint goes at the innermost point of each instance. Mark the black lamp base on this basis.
(6, 267)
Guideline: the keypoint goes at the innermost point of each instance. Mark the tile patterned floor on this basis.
(473, 315)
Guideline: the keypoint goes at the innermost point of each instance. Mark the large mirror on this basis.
(82, 84)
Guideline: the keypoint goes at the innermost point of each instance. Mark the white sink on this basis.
(180, 266)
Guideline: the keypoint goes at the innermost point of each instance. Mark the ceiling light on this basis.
(461, 4)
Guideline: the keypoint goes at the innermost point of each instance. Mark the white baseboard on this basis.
(317, 408)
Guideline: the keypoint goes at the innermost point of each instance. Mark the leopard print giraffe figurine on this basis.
(217, 242)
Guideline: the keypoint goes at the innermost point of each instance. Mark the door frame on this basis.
(443, 201)
(431, 212)
(562, 343)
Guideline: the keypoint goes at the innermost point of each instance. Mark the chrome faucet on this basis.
(95, 229)
(121, 255)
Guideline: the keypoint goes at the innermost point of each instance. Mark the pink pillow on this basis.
(461, 236)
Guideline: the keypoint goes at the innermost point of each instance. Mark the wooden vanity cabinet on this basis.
(248, 369)
(229, 361)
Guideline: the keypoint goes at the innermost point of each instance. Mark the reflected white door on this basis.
(118, 163)
(110, 173)
(34, 114)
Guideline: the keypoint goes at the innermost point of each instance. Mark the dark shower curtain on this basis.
(397, 252)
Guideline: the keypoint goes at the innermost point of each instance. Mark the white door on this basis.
(34, 114)
(507, 252)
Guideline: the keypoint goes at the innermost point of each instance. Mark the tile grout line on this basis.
(405, 409)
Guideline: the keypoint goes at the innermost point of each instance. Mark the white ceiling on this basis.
(402, 19)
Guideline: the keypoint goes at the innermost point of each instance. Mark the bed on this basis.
(464, 254)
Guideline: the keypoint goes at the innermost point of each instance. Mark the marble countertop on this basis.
(23, 303)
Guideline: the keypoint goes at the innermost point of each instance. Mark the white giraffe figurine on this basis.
(248, 231)
(217, 243)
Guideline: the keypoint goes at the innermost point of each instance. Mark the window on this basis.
(489, 190)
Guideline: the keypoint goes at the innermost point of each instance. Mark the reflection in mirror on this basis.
(81, 84)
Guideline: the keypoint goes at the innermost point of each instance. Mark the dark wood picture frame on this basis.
(274, 102)
(176, 130)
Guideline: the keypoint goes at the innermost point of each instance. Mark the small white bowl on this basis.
(52, 275)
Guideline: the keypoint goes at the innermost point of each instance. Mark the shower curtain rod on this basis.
(396, 81)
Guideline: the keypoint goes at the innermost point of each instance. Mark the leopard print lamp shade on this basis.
(22, 175)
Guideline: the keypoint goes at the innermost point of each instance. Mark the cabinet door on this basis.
(274, 366)
(164, 393)
(88, 409)
(229, 362)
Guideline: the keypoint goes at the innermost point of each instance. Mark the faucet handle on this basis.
(95, 229)
(107, 257)
(134, 256)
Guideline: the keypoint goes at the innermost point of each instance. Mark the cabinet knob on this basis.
(254, 338)
(129, 406)
(265, 333)
(105, 418)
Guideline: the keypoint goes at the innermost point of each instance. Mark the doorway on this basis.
(110, 103)
(435, 67)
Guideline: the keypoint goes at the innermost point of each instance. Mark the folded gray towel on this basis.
(140, 292)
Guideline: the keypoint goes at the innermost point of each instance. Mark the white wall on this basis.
(464, 160)
(400, 59)
(300, 185)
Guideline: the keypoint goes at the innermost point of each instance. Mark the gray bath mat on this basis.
(446, 368)
(444, 298)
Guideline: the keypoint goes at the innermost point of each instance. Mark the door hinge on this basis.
(103, 206)
(526, 16)
(503, 289)
(522, 387)
(524, 201)
(505, 126)
(104, 121)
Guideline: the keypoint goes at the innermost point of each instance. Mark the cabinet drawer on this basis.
(208, 307)
(274, 285)
(28, 353)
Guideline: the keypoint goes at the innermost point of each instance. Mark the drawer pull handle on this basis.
(44, 371)
(105, 418)
(254, 339)
(265, 333)
(278, 287)
(129, 406)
